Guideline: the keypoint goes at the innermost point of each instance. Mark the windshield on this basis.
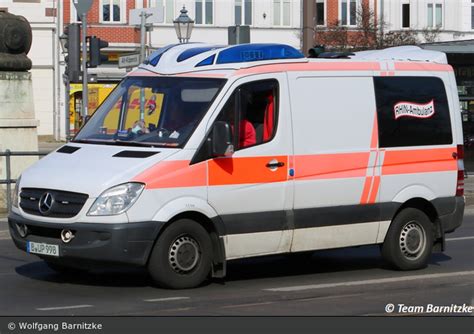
(151, 111)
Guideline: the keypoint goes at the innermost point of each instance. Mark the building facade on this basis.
(427, 20)
(44, 53)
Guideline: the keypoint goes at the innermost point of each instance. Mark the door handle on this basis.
(275, 164)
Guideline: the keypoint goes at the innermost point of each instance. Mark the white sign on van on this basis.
(416, 110)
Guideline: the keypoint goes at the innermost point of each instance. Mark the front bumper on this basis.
(127, 243)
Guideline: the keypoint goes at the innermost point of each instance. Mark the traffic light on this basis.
(72, 47)
(95, 45)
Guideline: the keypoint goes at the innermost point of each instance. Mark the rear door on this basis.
(336, 165)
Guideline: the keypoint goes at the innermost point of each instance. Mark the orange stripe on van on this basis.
(374, 142)
(374, 190)
(252, 170)
(366, 190)
(174, 174)
(311, 66)
(331, 166)
(202, 75)
(419, 66)
(419, 161)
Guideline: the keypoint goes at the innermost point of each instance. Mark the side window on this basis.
(252, 113)
(412, 111)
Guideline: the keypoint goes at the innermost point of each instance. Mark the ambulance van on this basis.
(254, 150)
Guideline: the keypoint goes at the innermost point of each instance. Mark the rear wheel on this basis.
(409, 241)
(182, 256)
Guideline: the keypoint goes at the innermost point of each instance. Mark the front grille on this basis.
(64, 205)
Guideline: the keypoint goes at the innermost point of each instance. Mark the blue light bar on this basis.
(257, 52)
(156, 56)
(206, 62)
(195, 51)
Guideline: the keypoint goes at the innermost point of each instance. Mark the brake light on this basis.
(460, 180)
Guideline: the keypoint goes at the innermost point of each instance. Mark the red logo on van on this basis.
(416, 110)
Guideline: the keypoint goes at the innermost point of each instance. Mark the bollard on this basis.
(8, 174)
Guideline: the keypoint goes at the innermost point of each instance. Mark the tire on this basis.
(181, 257)
(409, 240)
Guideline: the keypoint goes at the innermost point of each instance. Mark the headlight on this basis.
(16, 193)
(116, 200)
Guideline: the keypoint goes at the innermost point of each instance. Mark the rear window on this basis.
(412, 111)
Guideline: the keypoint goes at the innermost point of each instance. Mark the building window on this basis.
(243, 12)
(472, 14)
(406, 15)
(168, 9)
(348, 12)
(281, 12)
(435, 15)
(204, 12)
(112, 11)
(320, 12)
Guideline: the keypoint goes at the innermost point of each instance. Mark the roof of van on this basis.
(220, 60)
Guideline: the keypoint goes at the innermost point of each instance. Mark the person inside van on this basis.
(247, 133)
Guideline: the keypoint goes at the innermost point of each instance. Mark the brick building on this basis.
(333, 22)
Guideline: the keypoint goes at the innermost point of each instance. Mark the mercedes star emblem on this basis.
(46, 203)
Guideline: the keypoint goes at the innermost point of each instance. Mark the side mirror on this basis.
(221, 143)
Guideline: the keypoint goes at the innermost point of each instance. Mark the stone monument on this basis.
(18, 126)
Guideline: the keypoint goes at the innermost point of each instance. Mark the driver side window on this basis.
(252, 113)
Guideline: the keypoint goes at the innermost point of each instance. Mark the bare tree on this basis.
(430, 35)
(371, 32)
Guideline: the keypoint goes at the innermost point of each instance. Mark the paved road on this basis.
(337, 282)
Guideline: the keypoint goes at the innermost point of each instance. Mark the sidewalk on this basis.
(46, 143)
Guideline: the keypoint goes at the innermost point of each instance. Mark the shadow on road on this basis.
(327, 261)
(108, 277)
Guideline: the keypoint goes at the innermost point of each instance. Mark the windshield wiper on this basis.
(133, 143)
(117, 142)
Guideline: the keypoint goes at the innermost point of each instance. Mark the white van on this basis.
(207, 154)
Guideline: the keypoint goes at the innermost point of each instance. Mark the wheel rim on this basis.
(184, 254)
(412, 240)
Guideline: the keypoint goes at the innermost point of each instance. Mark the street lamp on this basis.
(63, 40)
(184, 26)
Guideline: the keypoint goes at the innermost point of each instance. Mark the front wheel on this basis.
(182, 256)
(409, 240)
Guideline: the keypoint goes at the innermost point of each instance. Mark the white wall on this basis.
(262, 28)
(456, 17)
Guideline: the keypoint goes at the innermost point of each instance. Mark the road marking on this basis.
(62, 307)
(165, 299)
(5, 235)
(178, 309)
(247, 305)
(460, 238)
(368, 282)
(325, 297)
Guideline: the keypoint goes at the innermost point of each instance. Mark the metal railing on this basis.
(9, 181)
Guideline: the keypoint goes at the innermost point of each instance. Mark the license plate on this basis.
(42, 248)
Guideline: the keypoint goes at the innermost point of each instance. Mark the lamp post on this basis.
(184, 26)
